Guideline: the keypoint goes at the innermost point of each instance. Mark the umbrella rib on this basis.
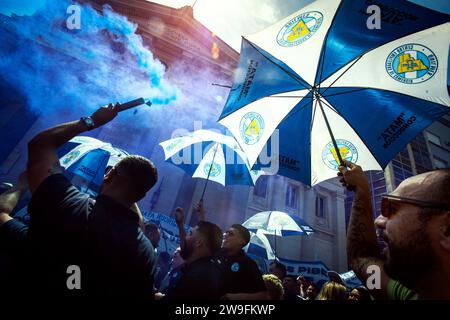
(312, 120)
(348, 123)
(287, 97)
(300, 109)
(350, 91)
(293, 76)
(353, 63)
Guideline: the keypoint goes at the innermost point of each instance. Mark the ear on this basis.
(444, 235)
(107, 178)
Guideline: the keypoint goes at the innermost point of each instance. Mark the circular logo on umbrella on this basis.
(347, 150)
(281, 220)
(70, 156)
(174, 144)
(215, 169)
(299, 29)
(251, 127)
(411, 63)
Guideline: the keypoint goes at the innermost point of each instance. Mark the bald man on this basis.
(415, 224)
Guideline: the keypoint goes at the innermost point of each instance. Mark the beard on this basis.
(410, 264)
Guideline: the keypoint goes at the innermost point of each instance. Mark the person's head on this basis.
(235, 238)
(130, 179)
(274, 286)
(311, 291)
(203, 240)
(332, 291)
(360, 293)
(290, 285)
(278, 269)
(153, 233)
(415, 225)
(177, 260)
(302, 281)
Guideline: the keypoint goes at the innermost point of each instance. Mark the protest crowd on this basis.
(107, 239)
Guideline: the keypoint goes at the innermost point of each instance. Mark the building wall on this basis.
(328, 242)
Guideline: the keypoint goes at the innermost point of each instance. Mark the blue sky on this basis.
(236, 18)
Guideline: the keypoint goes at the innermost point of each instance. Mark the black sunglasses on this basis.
(387, 200)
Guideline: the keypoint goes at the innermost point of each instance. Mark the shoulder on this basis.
(397, 291)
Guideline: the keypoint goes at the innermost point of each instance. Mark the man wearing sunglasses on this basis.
(415, 224)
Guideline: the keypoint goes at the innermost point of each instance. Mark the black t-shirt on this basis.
(102, 237)
(199, 280)
(14, 259)
(241, 274)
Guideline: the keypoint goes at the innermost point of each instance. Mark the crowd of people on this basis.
(115, 251)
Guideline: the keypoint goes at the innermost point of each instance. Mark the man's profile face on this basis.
(409, 254)
(232, 239)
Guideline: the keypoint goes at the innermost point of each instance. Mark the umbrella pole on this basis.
(209, 173)
(338, 152)
(275, 251)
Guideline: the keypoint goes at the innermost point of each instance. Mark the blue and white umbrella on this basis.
(88, 158)
(260, 246)
(278, 223)
(212, 156)
(337, 89)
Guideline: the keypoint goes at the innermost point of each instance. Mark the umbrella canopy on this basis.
(88, 158)
(223, 162)
(278, 223)
(336, 89)
(259, 246)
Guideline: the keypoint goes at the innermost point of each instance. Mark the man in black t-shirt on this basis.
(200, 277)
(102, 237)
(242, 278)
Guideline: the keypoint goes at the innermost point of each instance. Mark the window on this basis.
(291, 196)
(321, 207)
(260, 189)
(433, 138)
(439, 163)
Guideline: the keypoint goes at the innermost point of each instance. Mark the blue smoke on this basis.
(56, 68)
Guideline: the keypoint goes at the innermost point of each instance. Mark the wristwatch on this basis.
(88, 122)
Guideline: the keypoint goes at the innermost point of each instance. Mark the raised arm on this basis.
(42, 157)
(179, 218)
(362, 246)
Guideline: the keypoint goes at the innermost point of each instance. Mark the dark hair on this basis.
(280, 266)
(313, 284)
(141, 173)
(212, 234)
(363, 293)
(291, 276)
(243, 232)
(151, 227)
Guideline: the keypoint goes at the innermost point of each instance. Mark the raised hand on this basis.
(105, 114)
(179, 216)
(353, 177)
